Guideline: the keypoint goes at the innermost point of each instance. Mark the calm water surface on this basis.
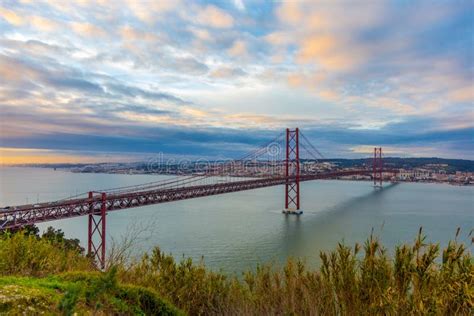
(236, 231)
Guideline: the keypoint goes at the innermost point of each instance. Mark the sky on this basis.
(120, 80)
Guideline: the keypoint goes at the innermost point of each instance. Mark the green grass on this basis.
(18, 295)
(82, 292)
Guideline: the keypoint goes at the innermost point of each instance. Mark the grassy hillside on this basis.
(84, 293)
(50, 274)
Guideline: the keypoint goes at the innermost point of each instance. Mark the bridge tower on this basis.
(292, 173)
(97, 229)
(377, 167)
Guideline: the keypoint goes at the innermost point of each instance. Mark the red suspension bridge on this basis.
(269, 166)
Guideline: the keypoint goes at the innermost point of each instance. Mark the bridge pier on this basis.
(292, 173)
(377, 167)
(97, 230)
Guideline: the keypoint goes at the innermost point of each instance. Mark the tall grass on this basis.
(359, 280)
(418, 279)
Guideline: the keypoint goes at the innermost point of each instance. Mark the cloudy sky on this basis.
(111, 80)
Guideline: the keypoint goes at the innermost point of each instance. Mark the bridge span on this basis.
(97, 204)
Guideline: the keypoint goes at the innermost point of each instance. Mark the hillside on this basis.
(51, 275)
(84, 293)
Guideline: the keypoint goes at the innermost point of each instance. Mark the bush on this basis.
(23, 253)
(192, 287)
(102, 292)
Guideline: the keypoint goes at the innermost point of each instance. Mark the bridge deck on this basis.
(22, 215)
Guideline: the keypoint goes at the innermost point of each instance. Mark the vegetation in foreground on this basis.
(51, 274)
(79, 292)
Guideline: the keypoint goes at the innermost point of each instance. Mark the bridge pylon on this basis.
(97, 229)
(377, 167)
(292, 173)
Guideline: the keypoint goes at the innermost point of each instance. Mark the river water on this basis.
(236, 231)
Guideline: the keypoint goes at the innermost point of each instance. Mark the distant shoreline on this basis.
(114, 172)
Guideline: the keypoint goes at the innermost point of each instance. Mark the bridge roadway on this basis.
(19, 216)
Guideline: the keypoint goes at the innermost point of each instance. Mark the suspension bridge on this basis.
(278, 162)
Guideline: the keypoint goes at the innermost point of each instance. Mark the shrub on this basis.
(102, 292)
(23, 253)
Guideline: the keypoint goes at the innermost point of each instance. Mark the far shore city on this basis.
(429, 170)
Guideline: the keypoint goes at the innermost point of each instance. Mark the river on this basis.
(236, 231)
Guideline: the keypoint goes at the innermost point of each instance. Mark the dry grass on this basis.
(351, 281)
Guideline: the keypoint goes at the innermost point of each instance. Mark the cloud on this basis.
(62, 95)
(462, 94)
(239, 4)
(26, 71)
(126, 90)
(313, 47)
(329, 95)
(238, 49)
(130, 33)
(11, 17)
(227, 72)
(332, 141)
(189, 65)
(229, 75)
(279, 38)
(311, 80)
(290, 12)
(35, 47)
(43, 24)
(13, 70)
(369, 59)
(149, 11)
(327, 52)
(87, 29)
(75, 83)
(214, 17)
(38, 22)
(201, 34)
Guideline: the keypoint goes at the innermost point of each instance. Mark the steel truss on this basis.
(97, 229)
(21, 216)
(292, 172)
